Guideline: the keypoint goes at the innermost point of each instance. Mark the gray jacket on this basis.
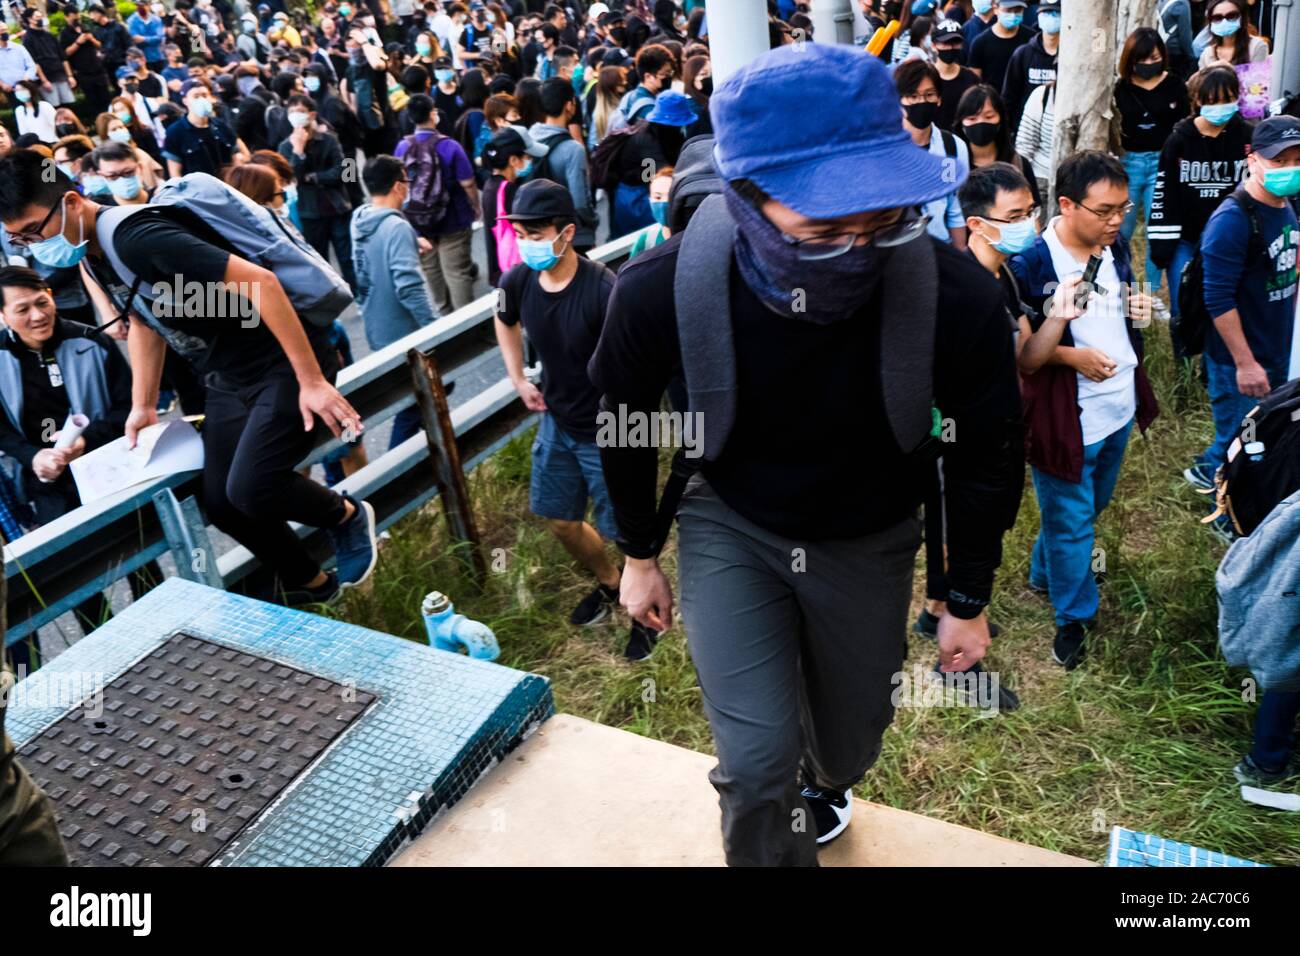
(391, 292)
(1259, 599)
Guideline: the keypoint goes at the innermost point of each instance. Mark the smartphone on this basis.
(1089, 284)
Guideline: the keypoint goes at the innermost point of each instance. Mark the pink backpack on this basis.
(507, 245)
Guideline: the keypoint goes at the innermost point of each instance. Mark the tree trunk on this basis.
(1086, 76)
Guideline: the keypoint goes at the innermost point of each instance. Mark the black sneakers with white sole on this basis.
(831, 810)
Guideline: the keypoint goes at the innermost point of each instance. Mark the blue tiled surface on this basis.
(440, 722)
(1131, 848)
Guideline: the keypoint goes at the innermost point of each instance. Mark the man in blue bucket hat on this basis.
(830, 347)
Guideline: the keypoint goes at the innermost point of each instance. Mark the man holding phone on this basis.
(1097, 369)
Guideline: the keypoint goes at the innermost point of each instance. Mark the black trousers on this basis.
(252, 441)
(95, 91)
(336, 231)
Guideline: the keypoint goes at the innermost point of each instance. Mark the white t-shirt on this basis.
(1106, 406)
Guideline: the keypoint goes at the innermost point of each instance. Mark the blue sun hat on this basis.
(848, 154)
(672, 109)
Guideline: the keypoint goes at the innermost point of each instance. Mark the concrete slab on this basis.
(581, 794)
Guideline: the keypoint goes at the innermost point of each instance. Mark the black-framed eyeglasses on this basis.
(1032, 214)
(1120, 212)
(24, 239)
(816, 248)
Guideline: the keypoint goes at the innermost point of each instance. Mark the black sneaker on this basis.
(1007, 699)
(303, 596)
(927, 625)
(595, 607)
(831, 810)
(1200, 477)
(1252, 775)
(1068, 648)
(640, 642)
(1038, 588)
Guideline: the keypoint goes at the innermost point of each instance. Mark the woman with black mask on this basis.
(980, 121)
(1151, 100)
(697, 78)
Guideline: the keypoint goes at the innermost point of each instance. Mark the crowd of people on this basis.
(361, 150)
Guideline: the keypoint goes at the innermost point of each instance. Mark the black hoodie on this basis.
(1031, 66)
(1196, 172)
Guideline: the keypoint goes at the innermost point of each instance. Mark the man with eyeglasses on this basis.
(822, 334)
(1096, 370)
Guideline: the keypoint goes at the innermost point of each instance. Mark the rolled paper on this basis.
(882, 37)
(72, 429)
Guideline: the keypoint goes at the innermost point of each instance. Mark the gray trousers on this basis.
(449, 269)
(796, 645)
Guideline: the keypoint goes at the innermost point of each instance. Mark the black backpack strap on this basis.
(909, 306)
(949, 143)
(702, 299)
(1255, 245)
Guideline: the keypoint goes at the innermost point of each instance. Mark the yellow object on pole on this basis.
(877, 44)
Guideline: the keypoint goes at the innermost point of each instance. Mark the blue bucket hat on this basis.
(672, 109)
(849, 154)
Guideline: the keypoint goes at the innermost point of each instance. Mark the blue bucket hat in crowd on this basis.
(818, 128)
(672, 109)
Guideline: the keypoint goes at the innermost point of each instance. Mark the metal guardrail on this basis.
(59, 565)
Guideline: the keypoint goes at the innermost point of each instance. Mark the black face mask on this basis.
(706, 86)
(921, 115)
(65, 129)
(1148, 71)
(981, 134)
(949, 56)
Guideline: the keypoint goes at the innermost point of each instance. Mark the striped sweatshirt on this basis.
(1037, 133)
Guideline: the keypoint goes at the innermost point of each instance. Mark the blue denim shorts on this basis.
(566, 473)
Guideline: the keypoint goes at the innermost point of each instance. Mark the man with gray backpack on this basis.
(249, 305)
(822, 335)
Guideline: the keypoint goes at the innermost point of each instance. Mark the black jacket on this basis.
(1031, 66)
(321, 193)
(1195, 173)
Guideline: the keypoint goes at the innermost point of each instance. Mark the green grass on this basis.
(1143, 735)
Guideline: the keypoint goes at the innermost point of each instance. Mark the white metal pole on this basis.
(737, 34)
(832, 21)
(1286, 50)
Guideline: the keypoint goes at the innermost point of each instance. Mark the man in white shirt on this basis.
(1097, 369)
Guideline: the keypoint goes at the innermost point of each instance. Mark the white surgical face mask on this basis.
(299, 119)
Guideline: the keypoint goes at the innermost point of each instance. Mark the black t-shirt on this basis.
(811, 454)
(950, 92)
(45, 398)
(160, 249)
(87, 63)
(564, 327)
(990, 54)
(450, 106)
(1148, 116)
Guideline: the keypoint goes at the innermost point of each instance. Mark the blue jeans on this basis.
(1275, 729)
(1142, 169)
(1062, 559)
(405, 424)
(1228, 405)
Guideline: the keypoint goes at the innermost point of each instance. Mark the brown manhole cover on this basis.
(193, 743)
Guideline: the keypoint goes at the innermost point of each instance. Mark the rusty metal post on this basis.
(444, 456)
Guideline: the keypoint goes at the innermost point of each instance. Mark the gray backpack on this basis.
(318, 293)
(701, 293)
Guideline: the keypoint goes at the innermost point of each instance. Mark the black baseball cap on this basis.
(542, 199)
(946, 30)
(510, 141)
(1275, 135)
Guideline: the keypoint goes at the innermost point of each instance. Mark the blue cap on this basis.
(672, 109)
(847, 154)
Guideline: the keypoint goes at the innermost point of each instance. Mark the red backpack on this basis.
(429, 195)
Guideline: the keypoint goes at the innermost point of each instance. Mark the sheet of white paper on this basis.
(162, 449)
(71, 431)
(1271, 798)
